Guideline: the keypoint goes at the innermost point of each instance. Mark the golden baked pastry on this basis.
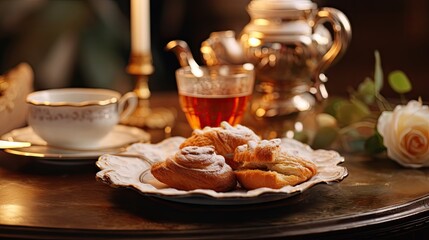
(225, 139)
(14, 87)
(195, 168)
(266, 164)
(253, 154)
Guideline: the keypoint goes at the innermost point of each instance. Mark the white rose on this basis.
(405, 134)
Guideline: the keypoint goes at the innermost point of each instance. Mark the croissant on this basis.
(225, 139)
(266, 164)
(195, 168)
(257, 154)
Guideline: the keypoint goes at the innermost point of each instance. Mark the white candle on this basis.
(140, 26)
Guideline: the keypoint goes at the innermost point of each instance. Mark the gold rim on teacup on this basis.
(77, 118)
(111, 100)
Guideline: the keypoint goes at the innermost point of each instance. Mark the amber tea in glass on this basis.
(222, 93)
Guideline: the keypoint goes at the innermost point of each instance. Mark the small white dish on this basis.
(120, 137)
(75, 118)
(129, 169)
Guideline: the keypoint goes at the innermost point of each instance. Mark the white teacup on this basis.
(77, 118)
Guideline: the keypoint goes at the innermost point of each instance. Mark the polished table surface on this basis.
(378, 199)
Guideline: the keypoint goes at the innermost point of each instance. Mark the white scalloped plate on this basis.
(128, 169)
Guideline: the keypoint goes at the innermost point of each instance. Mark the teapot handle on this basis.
(342, 35)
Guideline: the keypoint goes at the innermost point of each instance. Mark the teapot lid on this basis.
(269, 5)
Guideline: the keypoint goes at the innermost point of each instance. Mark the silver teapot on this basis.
(290, 47)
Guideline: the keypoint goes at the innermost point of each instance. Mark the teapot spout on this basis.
(222, 48)
(184, 55)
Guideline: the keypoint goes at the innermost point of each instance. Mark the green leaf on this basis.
(333, 105)
(361, 107)
(374, 144)
(366, 91)
(324, 137)
(399, 82)
(378, 73)
(351, 112)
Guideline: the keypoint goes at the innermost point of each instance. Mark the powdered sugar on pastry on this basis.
(225, 138)
(200, 159)
(262, 151)
(266, 164)
(195, 168)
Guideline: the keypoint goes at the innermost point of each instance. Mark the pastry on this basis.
(195, 168)
(253, 154)
(266, 164)
(224, 139)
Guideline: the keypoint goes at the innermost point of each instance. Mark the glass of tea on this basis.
(215, 94)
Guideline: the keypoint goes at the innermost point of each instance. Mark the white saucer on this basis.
(119, 138)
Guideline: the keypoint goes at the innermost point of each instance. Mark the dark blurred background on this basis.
(86, 43)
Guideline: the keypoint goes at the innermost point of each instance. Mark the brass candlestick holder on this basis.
(140, 67)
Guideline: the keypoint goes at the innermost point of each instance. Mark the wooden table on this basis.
(379, 199)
